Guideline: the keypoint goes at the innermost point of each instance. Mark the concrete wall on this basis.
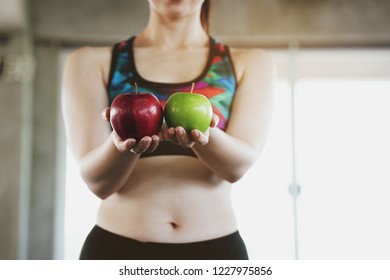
(302, 18)
(15, 143)
(255, 22)
(10, 163)
(29, 192)
(44, 154)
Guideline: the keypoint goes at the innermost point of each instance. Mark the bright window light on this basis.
(343, 163)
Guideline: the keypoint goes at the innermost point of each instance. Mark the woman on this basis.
(167, 196)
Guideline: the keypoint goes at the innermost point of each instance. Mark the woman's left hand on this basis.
(179, 136)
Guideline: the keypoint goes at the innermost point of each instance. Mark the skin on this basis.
(172, 199)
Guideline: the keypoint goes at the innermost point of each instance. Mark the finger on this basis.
(199, 137)
(115, 137)
(161, 133)
(183, 138)
(170, 135)
(214, 120)
(106, 114)
(142, 145)
(123, 145)
(173, 136)
(154, 144)
(127, 145)
(164, 132)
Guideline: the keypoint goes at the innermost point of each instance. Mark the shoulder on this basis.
(250, 54)
(89, 59)
(89, 55)
(251, 59)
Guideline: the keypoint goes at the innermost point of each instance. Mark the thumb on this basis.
(106, 114)
(214, 120)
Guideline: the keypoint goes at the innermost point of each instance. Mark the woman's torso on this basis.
(169, 198)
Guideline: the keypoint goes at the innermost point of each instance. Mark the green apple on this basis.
(188, 110)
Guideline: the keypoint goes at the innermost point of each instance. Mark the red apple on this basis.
(135, 115)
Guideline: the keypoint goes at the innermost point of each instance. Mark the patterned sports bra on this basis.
(217, 82)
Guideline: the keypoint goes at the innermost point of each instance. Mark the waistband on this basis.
(215, 241)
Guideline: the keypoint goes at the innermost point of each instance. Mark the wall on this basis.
(56, 24)
(255, 22)
(10, 164)
(15, 142)
(311, 22)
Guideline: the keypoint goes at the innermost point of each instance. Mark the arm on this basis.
(230, 154)
(104, 161)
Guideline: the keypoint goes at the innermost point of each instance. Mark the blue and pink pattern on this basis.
(217, 83)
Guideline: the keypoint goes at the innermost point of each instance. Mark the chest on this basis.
(170, 66)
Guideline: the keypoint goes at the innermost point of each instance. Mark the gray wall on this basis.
(256, 22)
(10, 162)
(31, 143)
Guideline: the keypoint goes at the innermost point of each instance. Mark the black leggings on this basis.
(104, 245)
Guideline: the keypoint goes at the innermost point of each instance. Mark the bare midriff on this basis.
(170, 199)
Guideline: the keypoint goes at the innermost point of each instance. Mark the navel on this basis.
(174, 225)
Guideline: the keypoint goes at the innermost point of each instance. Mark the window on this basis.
(342, 161)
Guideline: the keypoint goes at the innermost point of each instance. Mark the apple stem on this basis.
(192, 87)
(136, 88)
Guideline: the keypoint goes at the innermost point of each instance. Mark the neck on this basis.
(173, 32)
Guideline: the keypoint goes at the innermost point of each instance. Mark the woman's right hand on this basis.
(146, 144)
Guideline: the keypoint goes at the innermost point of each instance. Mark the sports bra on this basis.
(217, 82)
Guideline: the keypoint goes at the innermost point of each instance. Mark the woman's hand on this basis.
(179, 136)
(146, 144)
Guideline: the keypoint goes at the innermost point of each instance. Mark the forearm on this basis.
(226, 156)
(105, 169)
